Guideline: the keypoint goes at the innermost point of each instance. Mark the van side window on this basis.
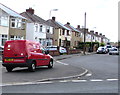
(42, 49)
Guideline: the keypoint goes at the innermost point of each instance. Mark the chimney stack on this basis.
(53, 18)
(78, 26)
(30, 10)
(68, 23)
(92, 31)
(86, 29)
(96, 33)
(100, 34)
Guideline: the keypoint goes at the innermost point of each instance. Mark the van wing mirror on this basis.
(46, 51)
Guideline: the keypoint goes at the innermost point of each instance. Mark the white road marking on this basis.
(79, 80)
(64, 81)
(111, 79)
(62, 63)
(45, 82)
(24, 83)
(89, 74)
(96, 80)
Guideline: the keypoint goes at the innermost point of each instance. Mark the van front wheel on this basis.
(50, 64)
(32, 67)
(9, 69)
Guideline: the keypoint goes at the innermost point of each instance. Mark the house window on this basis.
(4, 39)
(12, 37)
(80, 34)
(36, 28)
(48, 31)
(62, 43)
(75, 34)
(4, 20)
(41, 28)
(17, 37)
(19, 23)
(63, 33)
(13, 23)
(40, 40)
(60, 32)
(53, 30)
(68, 32)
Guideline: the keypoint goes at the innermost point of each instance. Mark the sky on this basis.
(101, 15)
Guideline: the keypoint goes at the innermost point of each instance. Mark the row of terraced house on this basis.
(27, 25)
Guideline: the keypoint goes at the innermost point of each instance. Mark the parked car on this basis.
(108, 47)
(61, 50)
(24, 53)
(102, 50)
(1, 50)
(114, 51)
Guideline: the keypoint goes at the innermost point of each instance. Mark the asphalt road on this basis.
(22, 75)
(102, 77)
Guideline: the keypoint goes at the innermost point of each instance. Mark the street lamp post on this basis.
(49, 23)
(51, 11)
(91, 48)
(84, 34)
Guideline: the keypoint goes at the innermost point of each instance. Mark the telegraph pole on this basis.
(84, 49)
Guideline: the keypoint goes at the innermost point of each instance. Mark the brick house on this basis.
(75, 35)
(61, 34)
(12, 25)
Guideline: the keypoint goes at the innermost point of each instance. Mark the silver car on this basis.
(102, 50)
(114, 51)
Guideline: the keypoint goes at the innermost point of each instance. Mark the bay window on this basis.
(4, 20)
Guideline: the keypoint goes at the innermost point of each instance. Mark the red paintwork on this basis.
(22, 50)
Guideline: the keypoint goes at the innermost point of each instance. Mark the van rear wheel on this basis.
(9, 69)
(32, 67)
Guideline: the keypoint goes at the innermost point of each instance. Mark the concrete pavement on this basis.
(65, 56)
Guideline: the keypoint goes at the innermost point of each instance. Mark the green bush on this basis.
(102, 44)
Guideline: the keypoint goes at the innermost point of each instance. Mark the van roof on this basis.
(21, 41)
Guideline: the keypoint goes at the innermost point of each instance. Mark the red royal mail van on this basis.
(24, 53)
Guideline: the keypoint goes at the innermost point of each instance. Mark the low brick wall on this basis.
(71, 51)
(54, 53)
(74, 51)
